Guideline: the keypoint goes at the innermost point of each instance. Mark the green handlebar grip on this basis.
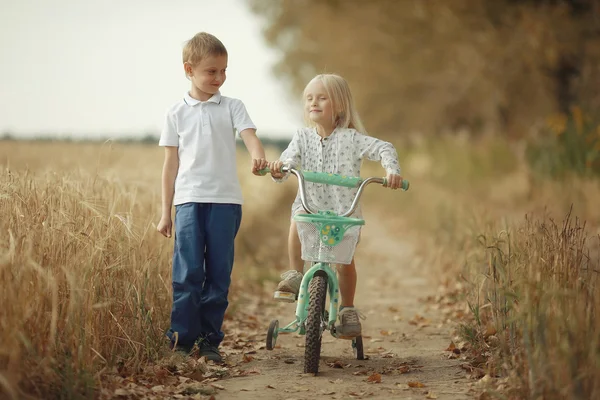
(332, 179)
(405, 184)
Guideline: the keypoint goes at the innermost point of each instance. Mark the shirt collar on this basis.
(190, 101)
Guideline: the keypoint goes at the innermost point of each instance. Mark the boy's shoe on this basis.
(210, 352)
(349, 326)
(288, 288)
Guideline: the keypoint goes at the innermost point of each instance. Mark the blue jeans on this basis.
(202, 264)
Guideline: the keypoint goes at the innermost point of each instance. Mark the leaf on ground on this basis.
(489, 330)
(374, 378)
(217, 386)
(271, 387)
(248, 358)
(402, 386)
(451, 347)
(415, 384)
(336, 364)
(431, 395)
(363, 372)
(404, 369)
(385, 333)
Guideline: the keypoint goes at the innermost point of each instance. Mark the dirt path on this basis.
(403, 337)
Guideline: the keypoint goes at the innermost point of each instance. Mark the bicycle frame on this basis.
(302, 306)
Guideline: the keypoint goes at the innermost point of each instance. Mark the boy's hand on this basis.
(258, 164)
(275, 167)
(165, 226)
(394, 181)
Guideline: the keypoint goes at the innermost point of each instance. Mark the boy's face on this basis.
(208, 75)
(317, 104)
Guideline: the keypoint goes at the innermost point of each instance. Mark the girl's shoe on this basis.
(349, 326)
(288, 288)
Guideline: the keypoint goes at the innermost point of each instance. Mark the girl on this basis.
(334, 141)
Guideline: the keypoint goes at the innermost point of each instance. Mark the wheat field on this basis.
(85, 277)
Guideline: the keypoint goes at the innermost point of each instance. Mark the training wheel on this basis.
(272, 334)
(357, 347)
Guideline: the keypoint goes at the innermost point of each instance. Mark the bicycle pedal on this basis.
(286, 297)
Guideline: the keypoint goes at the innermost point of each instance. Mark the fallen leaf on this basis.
(489, 331)
(271, 387)
(451, 347)
(385, 333)
(404, 369)
(217, 386)
(248, 358)
(431, 395)
(374, 378)
(403, 386)
(336, 364)
(415, 384)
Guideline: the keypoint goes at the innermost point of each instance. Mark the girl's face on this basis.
(318, 105)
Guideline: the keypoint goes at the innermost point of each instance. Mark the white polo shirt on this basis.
(204, 132)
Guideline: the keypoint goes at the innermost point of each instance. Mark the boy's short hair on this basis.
(202, 45)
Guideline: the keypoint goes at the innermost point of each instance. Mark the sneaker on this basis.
(210, 352)
(288, 288)
(349, 326)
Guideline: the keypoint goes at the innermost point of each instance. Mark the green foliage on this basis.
(571, 144)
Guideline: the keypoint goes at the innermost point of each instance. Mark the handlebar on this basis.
(332, 179)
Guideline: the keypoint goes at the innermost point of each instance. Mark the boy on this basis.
(200, 178)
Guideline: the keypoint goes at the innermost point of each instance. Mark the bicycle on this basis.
(326, 239)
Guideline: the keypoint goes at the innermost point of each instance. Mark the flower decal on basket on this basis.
(331, 234)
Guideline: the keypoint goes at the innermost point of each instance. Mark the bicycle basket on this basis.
(326, 237)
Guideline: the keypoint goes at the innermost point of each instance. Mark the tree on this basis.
(431, 66)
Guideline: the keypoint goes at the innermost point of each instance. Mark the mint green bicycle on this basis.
(326, 239)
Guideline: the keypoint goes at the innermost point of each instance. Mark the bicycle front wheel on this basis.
(315, 324)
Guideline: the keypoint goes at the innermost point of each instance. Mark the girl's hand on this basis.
(258, 164)
(275, 167)
(394, 181)
(165, 226)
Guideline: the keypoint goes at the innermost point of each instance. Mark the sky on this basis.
(111, 68)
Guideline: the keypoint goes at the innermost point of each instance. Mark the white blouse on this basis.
(340, 153)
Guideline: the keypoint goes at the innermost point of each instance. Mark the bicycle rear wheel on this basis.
(315, 323)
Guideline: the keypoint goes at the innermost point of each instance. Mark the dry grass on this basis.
(528, 262)
(85, 277)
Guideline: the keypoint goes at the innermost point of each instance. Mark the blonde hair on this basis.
(344, 109)
(202, 45)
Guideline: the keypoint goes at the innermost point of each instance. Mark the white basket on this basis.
(313, 248)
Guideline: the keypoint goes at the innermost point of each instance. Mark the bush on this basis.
(570, 144)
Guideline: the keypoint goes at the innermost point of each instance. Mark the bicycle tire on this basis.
(272, 334)
(314, 329)
(357, 347)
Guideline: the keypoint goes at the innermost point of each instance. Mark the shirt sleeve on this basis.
(168, 135)
(240, 117)
(292, 155)
(377, 150)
